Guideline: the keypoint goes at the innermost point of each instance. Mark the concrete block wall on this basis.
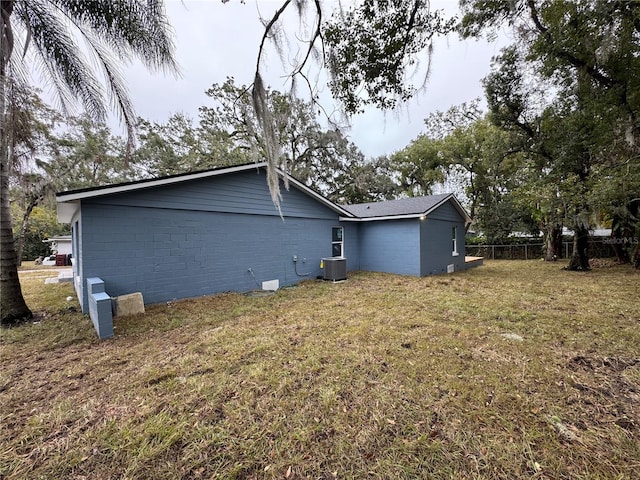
(436, 253)
(391, 246)
(202, 238)
(100, 308)
(170, 254)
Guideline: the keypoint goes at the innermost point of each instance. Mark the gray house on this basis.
(411, 236)
(218, 230)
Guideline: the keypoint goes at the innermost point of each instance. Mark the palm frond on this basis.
(133, 27)
(114, 32)
(117, 89)
(58, 54)
(17, 71)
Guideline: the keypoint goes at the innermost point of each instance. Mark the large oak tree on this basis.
(589, 53)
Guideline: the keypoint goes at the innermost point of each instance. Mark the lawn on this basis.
(512, 370)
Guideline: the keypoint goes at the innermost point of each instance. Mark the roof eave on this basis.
(386, 217)
(65, 211)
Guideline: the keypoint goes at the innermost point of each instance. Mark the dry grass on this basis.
(382, 376)
(31, 266)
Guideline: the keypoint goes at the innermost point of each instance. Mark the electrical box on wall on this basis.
(272, 285)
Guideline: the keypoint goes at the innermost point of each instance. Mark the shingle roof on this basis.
(392, 208)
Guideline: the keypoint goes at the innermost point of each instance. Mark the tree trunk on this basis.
(19, 242)
(553, 240)
(636, 253)
(13, 308)
(580, 257)
(634, 208)
(621, 235)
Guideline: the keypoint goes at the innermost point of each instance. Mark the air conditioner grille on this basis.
(335, 268)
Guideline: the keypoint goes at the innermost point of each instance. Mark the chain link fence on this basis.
(598, 248)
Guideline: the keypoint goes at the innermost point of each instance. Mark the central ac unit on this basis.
(335, 268)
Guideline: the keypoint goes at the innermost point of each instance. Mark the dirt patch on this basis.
(606, 389)
(603, 262)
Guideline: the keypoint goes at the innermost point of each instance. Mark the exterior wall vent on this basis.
(335, 268)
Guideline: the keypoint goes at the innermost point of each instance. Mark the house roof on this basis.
(414, 207)
(68, 202)
(403, 208)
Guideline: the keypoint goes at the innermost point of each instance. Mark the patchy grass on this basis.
(381, 376)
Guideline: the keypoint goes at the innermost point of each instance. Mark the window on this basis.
(454, 235)
(337, 241)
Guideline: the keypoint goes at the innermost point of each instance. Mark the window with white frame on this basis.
(337, 241)
(454, 238)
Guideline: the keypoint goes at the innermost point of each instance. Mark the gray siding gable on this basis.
(243, 192)
(448, 212)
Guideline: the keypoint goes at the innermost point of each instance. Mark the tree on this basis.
(228, 133)
(84, 153)
(31, 123)
(482, 156)
(519, 103)
(180, 146)
(590, 53)
(369, 181)
(420, 165)
(318, 156)
(43, 223)
(375, 45)
(49, 31)
(50, 154)
(35, 189)
(370, 51)
(462, 150)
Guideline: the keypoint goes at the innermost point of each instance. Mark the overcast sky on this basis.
(215, 41)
